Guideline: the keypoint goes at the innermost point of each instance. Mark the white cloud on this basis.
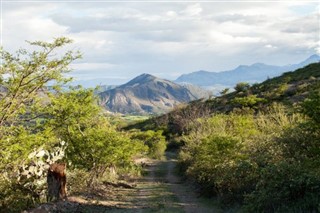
(91, 66)
(318, 48)
(128, 38)
(193, 10)
(270, 46)
(171, 13)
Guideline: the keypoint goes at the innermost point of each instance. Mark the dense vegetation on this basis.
(42, 124)
(267, 161)
(257, 147)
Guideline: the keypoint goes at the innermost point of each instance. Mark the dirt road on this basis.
(160, 190)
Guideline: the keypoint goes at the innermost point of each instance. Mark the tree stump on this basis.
(56, 180)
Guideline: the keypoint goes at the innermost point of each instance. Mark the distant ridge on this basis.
(290, 89)
(254, 73)
(147, 94)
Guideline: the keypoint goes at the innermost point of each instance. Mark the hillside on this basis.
(255, 149)
(254, 73)
(290, 89)
(147, 94)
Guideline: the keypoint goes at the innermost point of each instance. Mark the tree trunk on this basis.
(56, 180)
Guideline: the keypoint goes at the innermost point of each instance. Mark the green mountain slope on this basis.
(290, 89)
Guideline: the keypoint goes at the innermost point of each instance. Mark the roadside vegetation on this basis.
(267, 162)
(42, 122)
(252, 150)
(255, 149)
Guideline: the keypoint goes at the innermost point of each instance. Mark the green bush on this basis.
(268, 161)
(154, 140)
(242, 87)
(215, 155)
(286, 187)
(248, 101)
(14, 198)
(34, 115)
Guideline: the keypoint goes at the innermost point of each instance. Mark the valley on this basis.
(252, 149)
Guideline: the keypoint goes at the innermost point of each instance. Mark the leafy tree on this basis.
(34, 115)
(24, 79)
(242, 87)
(224, 91)
(25, 74)
(154, 140)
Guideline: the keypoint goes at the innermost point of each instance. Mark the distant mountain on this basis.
(102, 88)
(147, 94)
(92, 83)
(254, 73)
(289, 89)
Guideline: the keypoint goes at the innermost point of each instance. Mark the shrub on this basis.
(286, 187)
(248, 101)
(155, 142)
(242, 87)
(234, 156)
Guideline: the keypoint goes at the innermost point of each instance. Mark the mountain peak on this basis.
(242, 67)
(145, 77)
(314, 57)
(148, 94)
(258, 64)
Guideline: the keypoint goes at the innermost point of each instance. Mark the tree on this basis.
(24, 80)
(36, 116)
(224, 91)
(155, 142)
(242, 87)
(25, 74)
(24, 91)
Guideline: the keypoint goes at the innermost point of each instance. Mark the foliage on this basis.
(268, 161)
(154, 140)
(215, 151)
(25, 74)
(292, 183)
(289, 89)
(93, 142)
(35, 116)
(285, 187)
(248, 101)
(311, 107)
(242, 87)
(224, 91)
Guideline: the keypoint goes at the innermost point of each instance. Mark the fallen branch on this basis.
(119, 184)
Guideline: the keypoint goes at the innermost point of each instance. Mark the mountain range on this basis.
(254, 73)
(147, 94)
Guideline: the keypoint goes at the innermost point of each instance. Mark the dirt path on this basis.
(188, 199)
(160, 190)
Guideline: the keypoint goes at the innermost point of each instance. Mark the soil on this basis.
(159, 190)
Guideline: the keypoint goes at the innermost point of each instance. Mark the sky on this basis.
(122, 39)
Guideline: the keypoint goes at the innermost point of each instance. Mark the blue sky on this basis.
(120, 40)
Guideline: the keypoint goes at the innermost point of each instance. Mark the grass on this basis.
(162, 200)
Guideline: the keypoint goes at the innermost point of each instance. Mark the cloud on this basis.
(305, 24)
(128, 38)
(91, 66)
(270, 46)
(192, 10)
